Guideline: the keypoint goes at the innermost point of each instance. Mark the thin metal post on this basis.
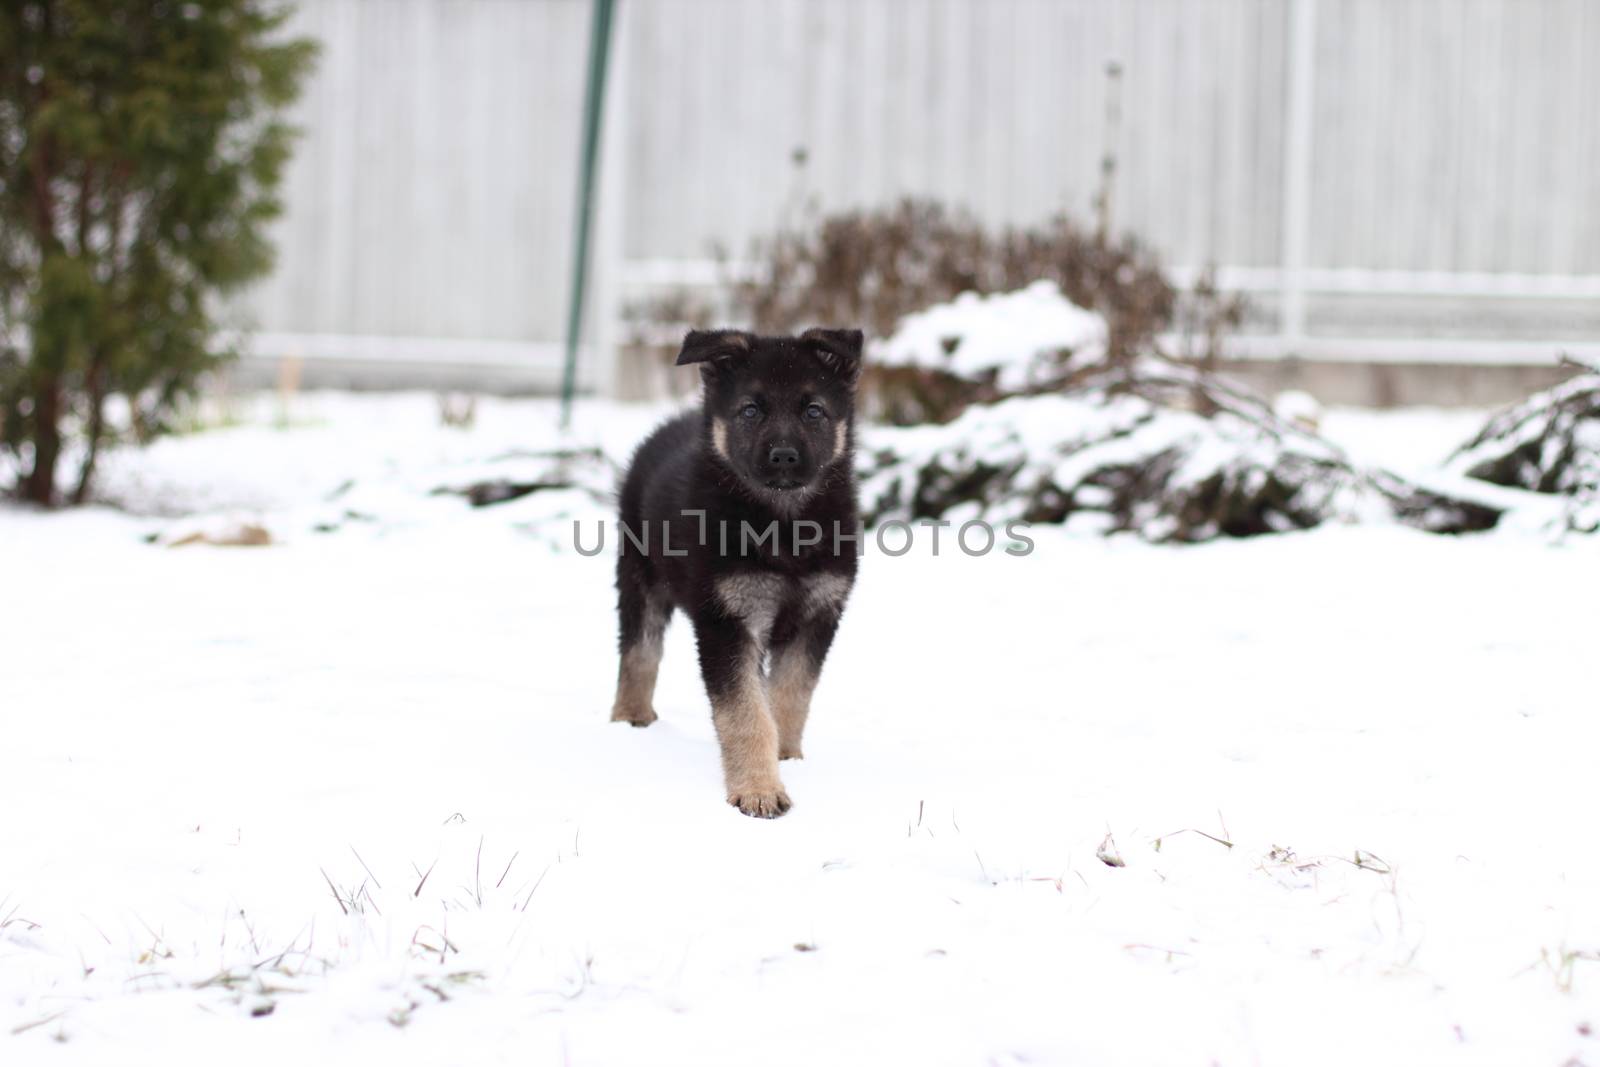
(593, 100)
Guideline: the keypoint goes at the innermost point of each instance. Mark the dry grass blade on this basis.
(338, 899)
(368, 894)
(1191, 830)
(535, 888)
(1368, 861)
(364, 867)
(477, 874)
(25, 1027)
(431, 866)
(507, 871)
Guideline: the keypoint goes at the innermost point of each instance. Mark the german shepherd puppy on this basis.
(743, 516)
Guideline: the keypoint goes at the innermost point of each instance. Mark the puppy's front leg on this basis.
(796, 665)
(802, 639)
(730, 663)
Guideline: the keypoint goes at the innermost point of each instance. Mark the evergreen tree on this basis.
(141, 143)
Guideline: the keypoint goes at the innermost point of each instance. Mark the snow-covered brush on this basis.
(1549, 443)
(1154, 447)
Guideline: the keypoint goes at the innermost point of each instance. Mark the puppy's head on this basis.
(779, 410)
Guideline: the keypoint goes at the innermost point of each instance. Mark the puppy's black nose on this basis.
(783, 457)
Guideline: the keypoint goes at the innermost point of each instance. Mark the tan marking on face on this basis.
(719, 438)
(748, 737)
(793, 679)
(841, 435)
(754, 599)
(821, 593)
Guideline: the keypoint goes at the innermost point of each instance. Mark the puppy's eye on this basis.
(814, 412)
(749, 411)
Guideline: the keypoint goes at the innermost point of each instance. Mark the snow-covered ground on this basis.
(355, 795)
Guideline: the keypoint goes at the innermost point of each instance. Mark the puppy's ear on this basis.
(839, 350)
(702, 346)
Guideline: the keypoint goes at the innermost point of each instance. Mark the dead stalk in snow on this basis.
(424, 880)
(507, 871)
(535, 888)
(337, 899)
(364, 867)
(1191, 830)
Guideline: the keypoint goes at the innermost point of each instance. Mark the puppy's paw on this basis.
(633, 716)
(788, 751)
(761, 803)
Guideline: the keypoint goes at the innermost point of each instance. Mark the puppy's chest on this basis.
(760, 597)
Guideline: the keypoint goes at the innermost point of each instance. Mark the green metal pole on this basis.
(589, 151)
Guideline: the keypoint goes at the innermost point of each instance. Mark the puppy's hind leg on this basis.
(643, 611)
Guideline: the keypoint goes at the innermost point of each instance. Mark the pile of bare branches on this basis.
(1549, 443)
(1154, 447)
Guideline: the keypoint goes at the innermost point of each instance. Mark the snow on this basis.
(1395, 732)
(1411, 442)
(1298, 408)
(1010, 333)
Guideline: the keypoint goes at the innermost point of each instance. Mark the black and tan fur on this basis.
(771, 444)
